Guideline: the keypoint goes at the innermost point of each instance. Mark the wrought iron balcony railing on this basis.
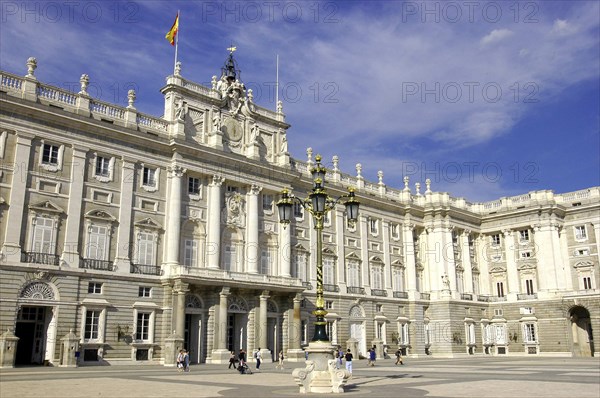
(91, 263)
(356, 290)
(307, 285)
(403, 295)
(532, 296)
(145, 269)
(466, 296)
(425, 296)
(378, 292)
(330, 288)
(40, 258)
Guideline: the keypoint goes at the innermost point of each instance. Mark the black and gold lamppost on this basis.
(318, 203)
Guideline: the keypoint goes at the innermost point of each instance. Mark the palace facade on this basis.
(125, 237)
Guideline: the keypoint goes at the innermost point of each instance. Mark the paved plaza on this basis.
(469, 377)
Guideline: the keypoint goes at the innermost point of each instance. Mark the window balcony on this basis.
(378, 292)
(331, 288)
(403, 295)
(145, 269)
(466, 296)
(101, 265)
(40, 258)
(356, 290)
(496, 299)
(425, 296)
(532, 296)
(484, 298)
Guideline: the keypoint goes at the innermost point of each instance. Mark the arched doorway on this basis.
(195, 332)
(581, 332)
(36, 324)
(357, 329)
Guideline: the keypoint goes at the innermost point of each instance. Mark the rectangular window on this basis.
(526, 254)
(496, 240)
(301, 266)
(146, 249)
(373, 226)
(97, 243)
(524, 235)
(500, 289)
(43, 241)
(50, 154)
(102, 166)
(95, 288)
(267, 202)
(193, 186)
(396, 231)
(377, 277)
(266, 262)
(529, 334)
(580, 232)
(398, 279)
(149, 178)
(353, 274)
(582, 252)
(231, 188)
(326, 219)
(529, 286)
(145, 291)
(190, 253)
(328, 305)
(142, 331)
(229, 259)
(498, 312)
(587, 283)
(298, 210)
(92, 319)
(328, 271)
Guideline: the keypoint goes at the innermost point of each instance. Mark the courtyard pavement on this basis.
(513, 377)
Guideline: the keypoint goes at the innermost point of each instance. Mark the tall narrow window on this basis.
(230, 258)
(328, 271)
(377, 277)
(398, 279)
(496, 240)
(92, 319)
(267, 202)
(529, 286)
(266, 262)
(142, 331)
(580, 232)
(146, 249)
(353, 273)
(529, 333)
(190, 253)
(97, 243)
(301, 266)
(524, 235)
(149, 177)
(194, 186)
(500, 289)
(43, 236)
(587, 283)
(50, 154)
(298, 210)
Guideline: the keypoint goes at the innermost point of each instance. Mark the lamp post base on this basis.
(320, 374)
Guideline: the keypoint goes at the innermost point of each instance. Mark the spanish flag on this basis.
(170, 36)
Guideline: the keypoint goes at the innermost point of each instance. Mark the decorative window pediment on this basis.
(527, 266)
(356, 312)
(37, 291)
(397, 263)
(100, 215)
(148, 223)
(376, 260)
(328, 252)
(47, 207)
(298, 247)
(496, 270)
(353, 256)
(583, 264)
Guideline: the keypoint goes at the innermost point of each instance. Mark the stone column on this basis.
(214, 222)
(409, 259)
(295, 353)
(252, 245)
(512, 273)
(73, 236)
(387, 268)
(364, 250)
(481, 253)
(262, 324)
(340, 228)
(221, 354)
(175, 174)
(122, 260)
(466, 262)
(448, 263)
(14, 218)
(564, 257)
(543, 239)
(285, 247)
(433, 254)
(180, 290)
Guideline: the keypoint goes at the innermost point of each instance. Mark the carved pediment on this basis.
(376, 259)
(583, 264)
(497, 270)
(102, 215)
(397, 263)
(328, 252)
(300, 248)
(148, 223)
(47, 206)
(527, 265)
(352, 256)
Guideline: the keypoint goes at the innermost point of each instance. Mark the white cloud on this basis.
(496, 35)
(562, 27)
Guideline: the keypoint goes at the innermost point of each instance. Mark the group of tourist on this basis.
(183, 361)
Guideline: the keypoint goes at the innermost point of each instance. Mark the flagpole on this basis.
(176, 42)
(277, 82)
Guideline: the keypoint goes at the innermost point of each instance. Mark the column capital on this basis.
(466, 232)
(254, 189)
(176, 171)
(298, 297)
(265, 294)
(181, 287)
(507, 232)
(217, 180)
(225, 291)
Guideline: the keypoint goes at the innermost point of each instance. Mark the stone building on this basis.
(125, 237)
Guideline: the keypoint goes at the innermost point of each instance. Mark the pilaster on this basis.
(252, 245)
(175, 174)
(512, 274)
(466, 262)
(122, 260)
(73, 237)
(213, 242)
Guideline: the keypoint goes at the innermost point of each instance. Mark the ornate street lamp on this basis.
(318, 203)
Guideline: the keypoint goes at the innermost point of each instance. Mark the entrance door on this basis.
(357, 332)
(236, 331)
(581, 328)
(193, 337)
(31, 330)
(273, 341)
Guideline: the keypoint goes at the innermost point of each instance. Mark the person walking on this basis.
(399, 357)
(180, 361)
(280, 359)
(258, 357)
(369, 357)
(340, 357)
(186, 361)
(232, 360)
(372, 356)
(348, 358)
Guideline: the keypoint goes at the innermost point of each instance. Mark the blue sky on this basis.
(487, 99)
